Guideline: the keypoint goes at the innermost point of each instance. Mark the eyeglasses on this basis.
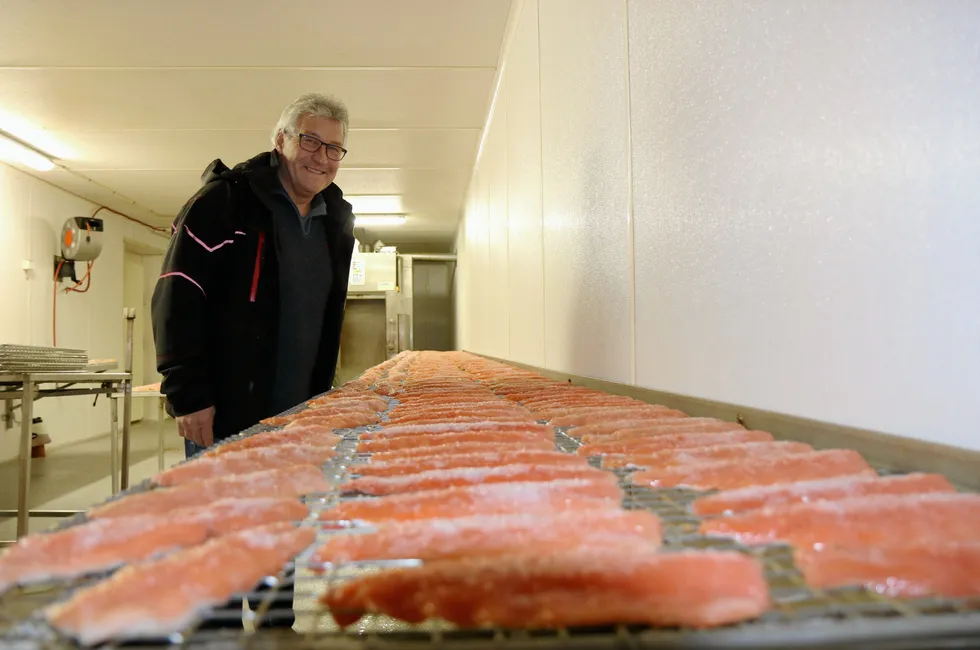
(313, 144)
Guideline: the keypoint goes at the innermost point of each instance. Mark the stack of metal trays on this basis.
(35, 358)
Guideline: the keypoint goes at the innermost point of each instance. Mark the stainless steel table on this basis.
(31, 386)
(146, 392)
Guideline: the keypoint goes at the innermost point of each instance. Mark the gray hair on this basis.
(311, 104)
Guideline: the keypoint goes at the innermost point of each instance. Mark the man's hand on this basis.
(197, 427)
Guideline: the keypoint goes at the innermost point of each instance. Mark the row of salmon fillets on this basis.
(463, 475)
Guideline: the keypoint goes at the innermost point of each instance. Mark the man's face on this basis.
(310, 172)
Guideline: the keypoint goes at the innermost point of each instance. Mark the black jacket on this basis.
(216, 304)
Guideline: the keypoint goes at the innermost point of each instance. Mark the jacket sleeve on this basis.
(181, 314)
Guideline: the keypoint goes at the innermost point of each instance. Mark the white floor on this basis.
(76, 476)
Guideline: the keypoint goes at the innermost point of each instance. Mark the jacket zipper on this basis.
(257, 271)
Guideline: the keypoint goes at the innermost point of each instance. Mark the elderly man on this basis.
(248, 309)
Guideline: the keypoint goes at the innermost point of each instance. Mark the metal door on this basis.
(362, 339)
(432, 304)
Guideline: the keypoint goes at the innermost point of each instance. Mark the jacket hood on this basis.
(261, 165)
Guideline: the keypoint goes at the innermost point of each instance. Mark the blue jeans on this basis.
(192, 448)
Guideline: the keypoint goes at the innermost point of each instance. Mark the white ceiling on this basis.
(146, 93)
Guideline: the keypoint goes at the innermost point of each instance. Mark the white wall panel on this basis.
(805, 189)
(478, 249)
(585, 189)
(495, 164)
(524, 241)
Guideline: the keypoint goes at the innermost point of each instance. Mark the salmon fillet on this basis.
(332, 422)
(664, 459)
(430, 429)
(783, 494)
(488, 455)
(588, 416)
(95, 546)
(492, 499)
(587, 585)
(445, 478)
(670, 441)
(415, 442)
(756, 470)
(452, 403)
(301, 435)
(375, 403)
(449, 414)
(104, 544)
(878, 520)
(232, 514)
(457, 448)
(243, 462)
(459, 419)
(438, 539)
(365, 414)
(948, 570)
(616, 429)
(158, 598)
(282, 482)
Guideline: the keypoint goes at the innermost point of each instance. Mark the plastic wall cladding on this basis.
(771, 203)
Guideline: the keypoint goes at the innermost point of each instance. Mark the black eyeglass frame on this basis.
(307, 138)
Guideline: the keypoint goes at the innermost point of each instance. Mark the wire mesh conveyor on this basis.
(801, 617)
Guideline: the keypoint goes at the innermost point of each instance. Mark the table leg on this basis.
(161, 417)
(23, 497)
(130, 314)
(114, 442)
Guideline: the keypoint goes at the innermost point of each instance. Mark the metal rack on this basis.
(801, 617)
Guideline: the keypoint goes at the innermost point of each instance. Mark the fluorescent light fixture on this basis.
(12, 151)
(376, 204)
(363, 220)
(34, 136)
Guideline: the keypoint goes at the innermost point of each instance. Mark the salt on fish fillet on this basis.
(375, 402)
(457, 448)
(282, 482)
(480, 456)
(159, 598)
(669, 441)
(95, 546)
(364, 412)
(445, 478)
(434, 429)
(104, 544)
(232, 514)
(453, 406)
(312, 435)
(486, 414)
(406, 416)
(663, 459)
(783, 494)
(437, 539)
(866, 521)
(333, 422)
(582, 417)
(618, 427)
(415, 442)
(622, 583)
(459, 419)
(756, 470)
(243, 462)
(492, 499)
(944, 570)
